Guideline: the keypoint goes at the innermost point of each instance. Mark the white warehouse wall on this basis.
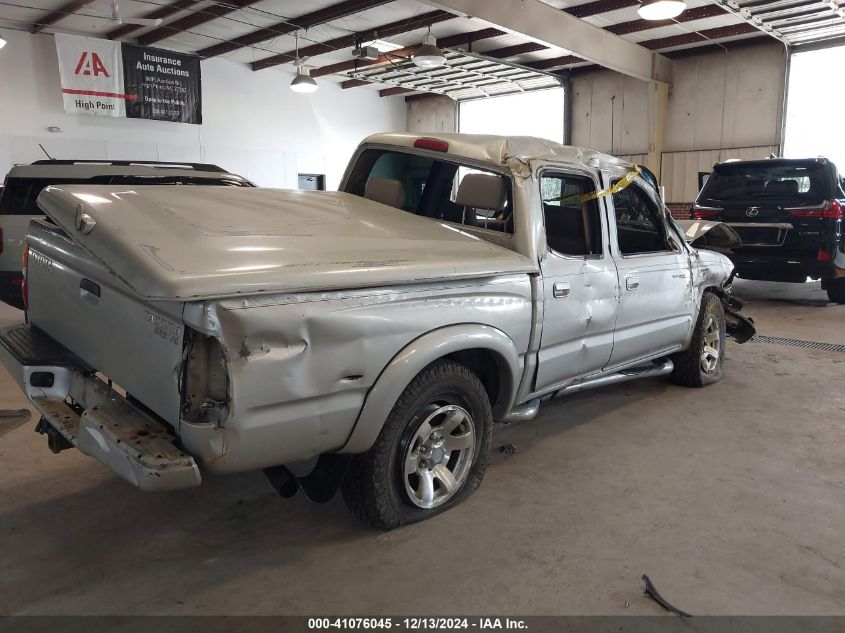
(722, 104)
(727, 98)
(253, 124)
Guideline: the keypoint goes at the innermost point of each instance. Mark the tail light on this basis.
(205, 382)
(832, 210)
(24, 287)
(823, 256)
(705, 213)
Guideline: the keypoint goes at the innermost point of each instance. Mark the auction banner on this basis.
(106, 78)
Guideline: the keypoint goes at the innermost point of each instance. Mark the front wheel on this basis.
(431, 453)
(836, 290)
(702, 363)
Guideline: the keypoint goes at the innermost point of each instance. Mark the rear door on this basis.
(655, 282)
(579, 281)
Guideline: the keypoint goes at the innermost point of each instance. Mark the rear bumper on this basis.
(782, 267)
(103, 424)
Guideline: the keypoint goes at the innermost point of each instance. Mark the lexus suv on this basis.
(789, 215)
(25, 182)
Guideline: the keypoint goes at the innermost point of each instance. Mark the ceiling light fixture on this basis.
(428, 55)
(382, 46)
(303, 82)
(661, 9)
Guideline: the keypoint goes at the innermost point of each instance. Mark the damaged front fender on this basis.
(738, 326)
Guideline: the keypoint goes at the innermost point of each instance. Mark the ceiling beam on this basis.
(348, 41)
(389, 92)
(451, 41)
(499, 53)
(62, 12)
(600, 6)
(700, 36)
(356, 64)
(193, 20)
(353, 83)
(721, 47)
(306, 21)
(635, 26)
(515, 50)
(554, 28)
(158, 14)
(554, 64)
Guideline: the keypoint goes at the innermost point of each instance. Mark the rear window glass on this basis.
(804, 182)
(434, 188)
(19, 194)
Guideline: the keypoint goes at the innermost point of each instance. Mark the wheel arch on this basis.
(472, 345)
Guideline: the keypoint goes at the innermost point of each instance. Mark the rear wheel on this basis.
(703, 362)
(836, 290)
(431, 453)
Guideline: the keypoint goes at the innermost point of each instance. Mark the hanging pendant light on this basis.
(661, 9)
(303, 82)
(428, 55)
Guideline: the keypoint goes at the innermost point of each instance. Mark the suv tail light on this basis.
(832, 210)
(24, 264)
(705, 213)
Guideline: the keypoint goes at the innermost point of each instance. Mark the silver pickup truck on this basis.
(377, 332)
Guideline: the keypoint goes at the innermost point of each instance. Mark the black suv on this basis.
(789, 214)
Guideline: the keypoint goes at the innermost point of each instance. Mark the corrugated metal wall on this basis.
(639, 159)
(679, 170)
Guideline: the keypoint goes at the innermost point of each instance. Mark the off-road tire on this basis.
(374, 488)
(688, 370)
(836, 290)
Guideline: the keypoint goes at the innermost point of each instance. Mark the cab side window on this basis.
(571, 214)
(639, 224)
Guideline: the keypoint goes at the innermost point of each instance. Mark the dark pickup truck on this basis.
(789, 215)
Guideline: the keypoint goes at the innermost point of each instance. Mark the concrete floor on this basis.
(731, 498)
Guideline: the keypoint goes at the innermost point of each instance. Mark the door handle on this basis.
(560, 290)
(89, 286)
(632, 283)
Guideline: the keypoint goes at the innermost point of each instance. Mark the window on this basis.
(410, 174)
(437, 189)
(571, 215)
(639, 226)
(754, 182)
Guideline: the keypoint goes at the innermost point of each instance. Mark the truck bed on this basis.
(208, 242)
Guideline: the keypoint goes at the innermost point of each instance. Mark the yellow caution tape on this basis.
(616, 187)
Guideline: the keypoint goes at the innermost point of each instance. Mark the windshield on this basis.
(805, 183)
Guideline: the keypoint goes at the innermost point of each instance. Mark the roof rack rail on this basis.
(129, 163)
